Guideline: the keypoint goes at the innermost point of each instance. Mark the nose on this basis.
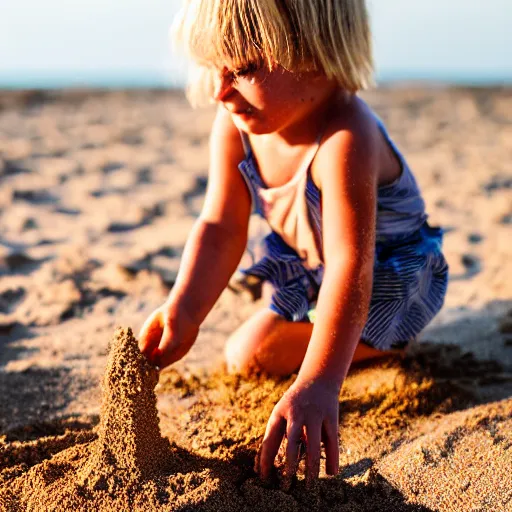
(223, 85)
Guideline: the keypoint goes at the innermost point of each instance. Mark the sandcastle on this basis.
(126, 458)
(129, 445)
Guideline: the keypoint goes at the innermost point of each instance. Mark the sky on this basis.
(436, 39)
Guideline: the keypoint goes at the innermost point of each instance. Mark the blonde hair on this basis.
(328, 36)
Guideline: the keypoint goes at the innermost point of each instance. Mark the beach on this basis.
(98, 192)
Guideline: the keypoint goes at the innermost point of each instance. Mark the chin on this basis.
(251, 124)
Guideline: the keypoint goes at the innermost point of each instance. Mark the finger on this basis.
(163, 355)
(293, 435)
(150, 334)
(313, 449)
(332, 446)
(269, 447)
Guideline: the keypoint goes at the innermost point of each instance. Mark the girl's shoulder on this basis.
(353, 119)
(224, 131)
(352, 128)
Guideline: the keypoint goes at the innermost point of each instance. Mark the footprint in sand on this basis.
(498, 182)
(109, 191)
(472, 263)
(198, 189)
(506, 219)
(132, 139)
(34, 196)
(472, 266)
(19, 263)
(112, 167)
(195, 193)
(10, 298)
(164, 261)
(12, 167)
(67, 211)
(29, 223)
(146, 217)
(144, 176)
(475, 238)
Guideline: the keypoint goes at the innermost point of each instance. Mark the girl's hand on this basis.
(307, 411)
(167, 335)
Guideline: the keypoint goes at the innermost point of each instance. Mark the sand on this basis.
(97, 194)
(127, 464)
(109, 472)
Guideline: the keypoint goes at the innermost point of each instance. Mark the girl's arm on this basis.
(212, 252)
(218, 239)
(347, 171)
(349, 217)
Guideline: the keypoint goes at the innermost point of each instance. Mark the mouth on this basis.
(249, 111)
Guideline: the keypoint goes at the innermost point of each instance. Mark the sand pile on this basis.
(411, 440)
(129, 446)
(128, 452)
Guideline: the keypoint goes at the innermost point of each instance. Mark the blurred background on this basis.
(124, 43)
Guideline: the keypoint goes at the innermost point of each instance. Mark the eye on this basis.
(252, 67)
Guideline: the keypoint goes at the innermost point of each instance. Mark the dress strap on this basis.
(314, 150)
(245, 142)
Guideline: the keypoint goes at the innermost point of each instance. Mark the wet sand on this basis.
(98, 193)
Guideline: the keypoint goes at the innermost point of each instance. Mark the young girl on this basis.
(350, 247)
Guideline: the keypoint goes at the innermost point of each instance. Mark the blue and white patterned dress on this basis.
(410, 272)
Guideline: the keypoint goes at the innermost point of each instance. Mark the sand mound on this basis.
(403, 446)
(127, 452)
(129, 446)
(464, 463)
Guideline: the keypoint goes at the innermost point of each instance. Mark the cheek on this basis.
(283, 104)
(275, 96)
(287, 93)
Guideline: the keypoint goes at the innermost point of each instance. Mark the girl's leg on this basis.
(269, 342)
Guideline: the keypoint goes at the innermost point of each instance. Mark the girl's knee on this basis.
(268, 342)
(238, 356)
(244, 346)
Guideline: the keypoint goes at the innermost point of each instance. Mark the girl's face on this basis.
(265, 101)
